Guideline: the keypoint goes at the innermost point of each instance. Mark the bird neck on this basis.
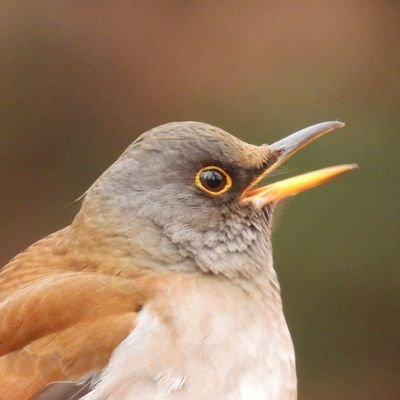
(133, 247)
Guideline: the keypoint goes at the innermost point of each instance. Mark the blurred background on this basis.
(80, 80)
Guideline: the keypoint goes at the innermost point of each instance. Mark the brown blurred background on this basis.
(79, 80)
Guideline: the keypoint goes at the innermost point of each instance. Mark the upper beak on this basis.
(280, 152)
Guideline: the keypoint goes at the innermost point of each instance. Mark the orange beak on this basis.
(281, 151)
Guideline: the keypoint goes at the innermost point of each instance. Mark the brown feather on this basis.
(60, 317)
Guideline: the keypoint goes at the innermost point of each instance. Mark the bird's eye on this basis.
(213, 180)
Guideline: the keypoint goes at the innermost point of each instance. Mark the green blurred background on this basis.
(79, 80)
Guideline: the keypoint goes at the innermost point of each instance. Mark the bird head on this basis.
(186, 195)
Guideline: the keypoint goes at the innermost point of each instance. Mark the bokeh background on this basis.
(79, 80)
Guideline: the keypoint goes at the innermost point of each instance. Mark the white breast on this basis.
(203, 348)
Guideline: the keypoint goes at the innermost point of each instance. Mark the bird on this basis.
(163, 285)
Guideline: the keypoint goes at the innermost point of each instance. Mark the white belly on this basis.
(218, 353)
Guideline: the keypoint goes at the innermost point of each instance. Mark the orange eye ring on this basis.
(213, 180)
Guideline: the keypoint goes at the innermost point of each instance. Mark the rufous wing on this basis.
(63, 326)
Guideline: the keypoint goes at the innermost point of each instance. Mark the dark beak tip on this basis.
(297, 140)
(339, 124)
(289, 145)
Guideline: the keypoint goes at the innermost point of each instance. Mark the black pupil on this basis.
(213, 180)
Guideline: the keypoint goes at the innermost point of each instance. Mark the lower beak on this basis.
(281, 151)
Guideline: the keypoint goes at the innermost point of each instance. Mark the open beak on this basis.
(281, 151)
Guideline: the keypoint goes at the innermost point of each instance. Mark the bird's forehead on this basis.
(198, 140)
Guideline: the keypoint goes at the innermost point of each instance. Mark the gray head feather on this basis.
(148, 196)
